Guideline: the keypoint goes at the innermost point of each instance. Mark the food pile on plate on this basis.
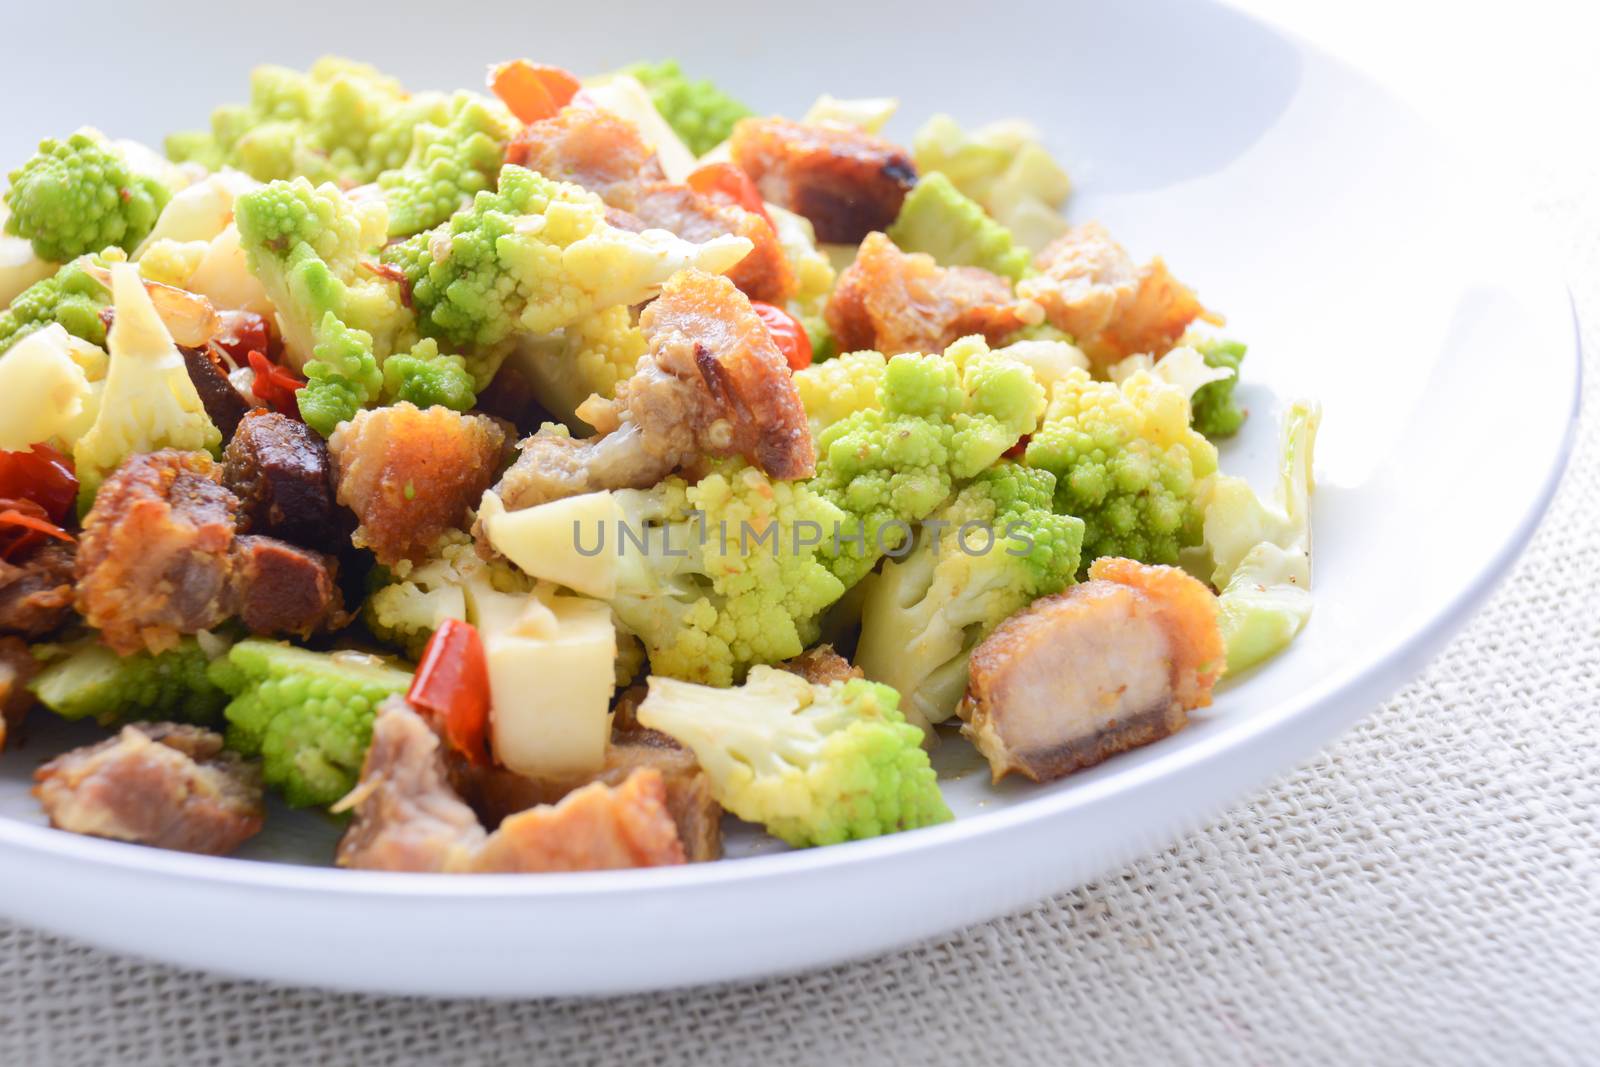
(529, 477)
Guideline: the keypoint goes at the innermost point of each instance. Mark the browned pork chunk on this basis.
(895, 302)
(1090, 287)
(223, 404)
(36, 591)
(155, 556)
(409, 475)
(591, 148)
(1105, 666)
(281, 588)
(409, 817)
(763, 274)
(822, 666)
(279, 470)
(846, 181)
(161, 784)
(713, 383)
(17, 667)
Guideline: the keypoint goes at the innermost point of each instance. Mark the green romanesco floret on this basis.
(148, 402)
(939, 420)
(89, 681)
(839, 388)
(425, 378)
(697, 111)
(307, 715)
(342, 376)
(408, 602)
(1216, 410)
(589, 357)
(341, 121)
(79, 196)
(937, 219)
(448, 164)
(814, 764)
(537, 256)
(70, 296)
(1126, 462)
(988, 553)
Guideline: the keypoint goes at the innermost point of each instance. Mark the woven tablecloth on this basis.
(1425, 891)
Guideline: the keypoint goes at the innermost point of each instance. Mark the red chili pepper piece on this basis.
(787, 333)
(273, 385)
(23, 524)
(42, 475)
(451, 687)
(243, 332)
(532, 91)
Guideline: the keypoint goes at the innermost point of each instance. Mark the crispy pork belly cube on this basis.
(846, 181)
(279, 469)
(1090, 287)
(155, 557)
(409, 475)
(822, 666)
(588, 147)
(598, 827)
(407, 815)
(1105, 666)
(161, 784)
(764, 274)
(894, 302)
(17, 668)
(285, 589)
(36, 590)
(223, 404)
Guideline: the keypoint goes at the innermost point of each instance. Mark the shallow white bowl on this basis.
(1357, 257)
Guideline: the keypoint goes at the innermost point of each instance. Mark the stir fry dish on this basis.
(541, 478)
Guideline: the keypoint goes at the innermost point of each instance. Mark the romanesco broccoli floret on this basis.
(307, 715)
(425, 378)
(89, 681)
(408, 602)
(341, 121)
(814, 764)
(1216, 410)
(71, 296)
(448, 164)
(988, 553)
(148, 402)
(1126, 462)
(697, 111)
(79, 196)
(839, 388)
(589, 357)
(939, 420)
(342, 376)
(536, 256)
(937, 219)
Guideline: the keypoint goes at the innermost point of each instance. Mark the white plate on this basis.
(1357, 258)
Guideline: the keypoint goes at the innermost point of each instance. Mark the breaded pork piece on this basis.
(1090, 287)
(161, 784)
(894, 302)
(592, 148)
(17, 668)
(712, 384)
(822, 666)
(1105, 666)
(596, 828)
(36, 591)
(409, 475)
(846, 181)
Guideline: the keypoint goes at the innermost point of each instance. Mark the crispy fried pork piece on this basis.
(764, 274)
(279, 470)
(155, 557)
(588, 147)
(407, 816)
(161, 784)
(409, 475)
(497, 793)
(1105, 666)
(847, 182)
(712, 384)
(1090, 287)
(221, 400)
(36, 592)
(894, 301)
(596, 828)
(822, 666)
(17, 668)
(285, 589)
